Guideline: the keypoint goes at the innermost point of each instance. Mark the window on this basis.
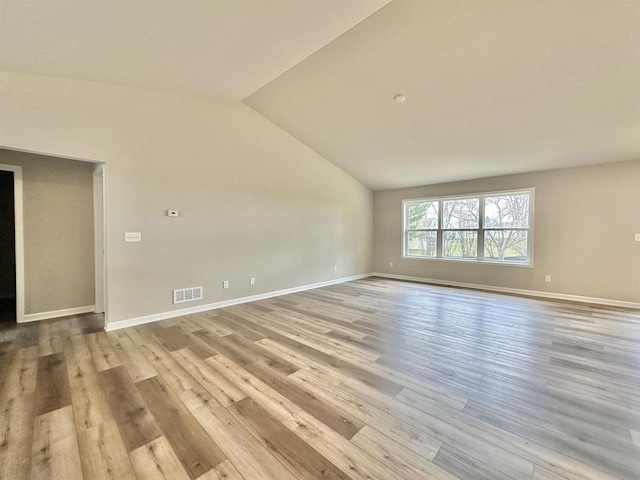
(493, 227)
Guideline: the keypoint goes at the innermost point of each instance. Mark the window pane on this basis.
(422, 244)
(460, 213)
(460, 244)
(507, 211)
(423, 215)
(506, 245)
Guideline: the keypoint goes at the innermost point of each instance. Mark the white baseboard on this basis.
(34, 317)
(131, 322)
(516, 291)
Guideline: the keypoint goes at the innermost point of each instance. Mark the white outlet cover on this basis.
(225, 284)
(132, 236)
(637, 237)
(252, 281)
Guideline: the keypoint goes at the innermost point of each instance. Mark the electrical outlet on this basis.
(335, 268)
(390, 264)
(637, 237)
(225, 284)
(252, 281)
(547, 278)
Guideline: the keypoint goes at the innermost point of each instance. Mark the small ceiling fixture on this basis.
(399, 98)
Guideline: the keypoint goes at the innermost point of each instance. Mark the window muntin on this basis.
(493, 227)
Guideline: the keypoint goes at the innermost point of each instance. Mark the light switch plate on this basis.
(132, 236)
(173, 213)
(637, 237)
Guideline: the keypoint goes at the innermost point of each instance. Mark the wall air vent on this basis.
(187, 294)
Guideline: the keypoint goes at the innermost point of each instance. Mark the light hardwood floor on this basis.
(372, 379)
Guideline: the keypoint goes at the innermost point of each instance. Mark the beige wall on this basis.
(253, 200)
(58, 231)
(585, 220)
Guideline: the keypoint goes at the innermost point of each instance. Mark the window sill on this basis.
(471, 261)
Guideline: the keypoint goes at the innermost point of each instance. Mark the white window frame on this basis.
(481, 230)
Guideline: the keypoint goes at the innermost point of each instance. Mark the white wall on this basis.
(254, 201)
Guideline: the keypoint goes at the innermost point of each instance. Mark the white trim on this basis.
(131, 322)
(19, 234)
(34, 317)
(49, 154)
(516, 291)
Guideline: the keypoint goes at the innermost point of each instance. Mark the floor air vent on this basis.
(187, 294)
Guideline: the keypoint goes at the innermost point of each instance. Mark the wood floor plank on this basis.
(339, 451)
(402, 432)
(16, 435)
(90, 405)
(171, 338)
(540, 473)
(103, 454)
(249, 348)
(27, 336)
(466, 467)
(404, 461)
(169, 369)
(55, 453)
(203, 321)
(246, 453)
(157, 460)
(131, 357)
(297, 455)
(222, 389)
(275, 403)
(347, 367)
(102, 352)
(195, 450)
(49, 339)
(52, 384)
(224, 471)
(135, 422)
(342, 422)
(75, 348)
(20, 373)
(241, 357)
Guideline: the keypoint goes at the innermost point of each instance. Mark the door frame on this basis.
(20, 313)
(99, 238)
(19, 237)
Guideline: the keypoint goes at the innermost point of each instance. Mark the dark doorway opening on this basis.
(7, 249)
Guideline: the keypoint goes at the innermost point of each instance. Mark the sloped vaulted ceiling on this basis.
(492, 87)
(214, 48)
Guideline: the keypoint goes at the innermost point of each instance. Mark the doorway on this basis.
(7, 249)
(11, 248)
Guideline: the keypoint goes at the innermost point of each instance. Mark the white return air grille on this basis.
(187, 294)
